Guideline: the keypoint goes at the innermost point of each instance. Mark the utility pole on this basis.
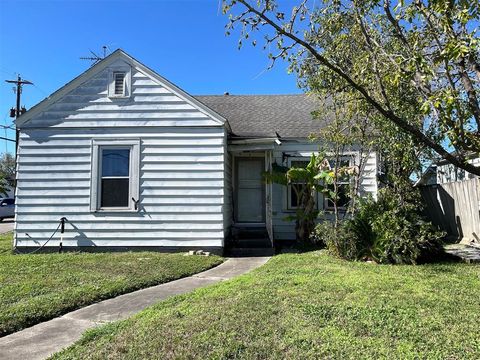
(17, 111)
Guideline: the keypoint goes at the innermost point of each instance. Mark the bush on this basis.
(389, 230)
(339, 241)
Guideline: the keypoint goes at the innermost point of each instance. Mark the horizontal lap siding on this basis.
(181, 170)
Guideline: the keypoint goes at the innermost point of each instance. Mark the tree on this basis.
(7, 169)
(305, 182)
(345, 131)
(318, 176)
(415, 65)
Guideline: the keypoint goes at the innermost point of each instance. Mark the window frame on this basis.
(289, 187)
(348, 182)
(96, 175)
(127, 82)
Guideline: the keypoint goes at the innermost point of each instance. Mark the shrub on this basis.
(339, 241)
(389, 230)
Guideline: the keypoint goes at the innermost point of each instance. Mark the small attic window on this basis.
(119, 83)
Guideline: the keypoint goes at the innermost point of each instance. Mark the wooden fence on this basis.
(455, 208)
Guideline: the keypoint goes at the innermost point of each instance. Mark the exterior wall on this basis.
(285, 230)
(182, 163)
(228, 194)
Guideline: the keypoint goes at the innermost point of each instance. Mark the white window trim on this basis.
(289, 206)
(134, 185)
(351, 162)
(127, 82)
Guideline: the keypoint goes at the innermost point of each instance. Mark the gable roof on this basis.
(265, 115)
(101, 65)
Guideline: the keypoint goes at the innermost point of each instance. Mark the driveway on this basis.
(6, 225)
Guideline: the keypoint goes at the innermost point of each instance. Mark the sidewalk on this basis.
(44, 339)
(6, 225)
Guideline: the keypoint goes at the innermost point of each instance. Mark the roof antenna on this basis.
(95, 58)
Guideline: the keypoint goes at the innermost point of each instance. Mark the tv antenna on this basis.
(95, 58)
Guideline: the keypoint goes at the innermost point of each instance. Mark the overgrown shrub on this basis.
(338, 240)
(389, 230)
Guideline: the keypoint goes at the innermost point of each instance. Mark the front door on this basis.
(250, 197)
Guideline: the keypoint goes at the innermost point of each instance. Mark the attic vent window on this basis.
(119, 83)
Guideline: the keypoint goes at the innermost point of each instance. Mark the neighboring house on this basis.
(428, 177)
(133, 161)
(447, 172)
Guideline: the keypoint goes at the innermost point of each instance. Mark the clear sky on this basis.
(183, 40)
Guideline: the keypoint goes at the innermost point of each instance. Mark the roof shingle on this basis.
(266, 115)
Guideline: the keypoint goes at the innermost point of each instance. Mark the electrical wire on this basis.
(41, 247)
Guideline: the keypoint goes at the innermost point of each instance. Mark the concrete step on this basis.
(249, 252)
(245, 232)
(250, 243)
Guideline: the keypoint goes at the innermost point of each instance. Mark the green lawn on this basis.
(304, 307)
(34, 288)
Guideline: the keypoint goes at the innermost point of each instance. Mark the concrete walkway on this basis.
(6, 225)
(44, 339)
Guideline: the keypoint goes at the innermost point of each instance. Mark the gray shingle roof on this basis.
(265, 115)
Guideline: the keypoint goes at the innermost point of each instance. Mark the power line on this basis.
(7, 127)
(7, 139)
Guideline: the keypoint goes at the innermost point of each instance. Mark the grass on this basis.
(307, 306)
(35, 288)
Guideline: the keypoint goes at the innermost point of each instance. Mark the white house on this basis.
(133, 161)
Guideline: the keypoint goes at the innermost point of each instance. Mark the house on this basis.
(447, 172)
(133, 161)
(442, 172)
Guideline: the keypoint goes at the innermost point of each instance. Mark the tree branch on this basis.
(401, 123)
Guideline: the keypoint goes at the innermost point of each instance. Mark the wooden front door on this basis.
(250, 196)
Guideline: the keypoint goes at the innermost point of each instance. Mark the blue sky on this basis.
(183, 40)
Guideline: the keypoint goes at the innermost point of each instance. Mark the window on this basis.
(115, 172)
(119, 83)
(343, 186)
(115, 177)
(294, 189)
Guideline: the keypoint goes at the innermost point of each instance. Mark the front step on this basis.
(249, 252)
(248, 236)
(249, 232)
